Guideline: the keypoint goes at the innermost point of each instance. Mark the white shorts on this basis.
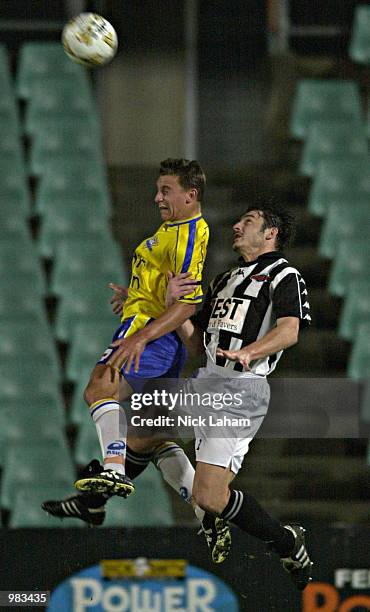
(223, 435)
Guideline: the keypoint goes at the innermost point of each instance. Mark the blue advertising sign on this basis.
(89, 591)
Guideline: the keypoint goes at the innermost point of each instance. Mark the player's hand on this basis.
(128, 352)
(178, 286)
(243, 356)
(118, 298)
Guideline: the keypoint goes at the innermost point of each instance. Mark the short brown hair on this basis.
(190, 174)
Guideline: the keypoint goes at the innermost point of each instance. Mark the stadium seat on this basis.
(19, 339)
(339, 179)
(78, 410)
(89, 341)
(49, 405)
(332, 140)
(92, 302)
(61, 100)
(323, 99)
(359, 361)
(71, 143)
(34, 464)
(13, 224)
(20, 257)
(44, 59)
(355, 309)
(27, 511)
(344, 221)
(359, 48)
(87, 224)
(14, 191)
(4, 63)
(352, 262)
(49, 195)
(150, 506)
(19, 377)
(87, 444)
(28, 428)
(98, 260)
(17, 305)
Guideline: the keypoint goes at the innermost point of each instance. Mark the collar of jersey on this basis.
(184, 221)
(270, 255)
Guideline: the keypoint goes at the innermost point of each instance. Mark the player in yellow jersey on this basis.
(146, 345)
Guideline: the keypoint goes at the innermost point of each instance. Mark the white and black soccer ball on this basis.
(90, 39)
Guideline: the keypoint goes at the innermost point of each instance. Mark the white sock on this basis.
(111, 426)
(177, 470)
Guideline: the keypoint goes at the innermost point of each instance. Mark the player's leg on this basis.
(101, 395)
(217, 464)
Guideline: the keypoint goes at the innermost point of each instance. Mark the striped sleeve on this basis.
(290, 298)
(190, 254)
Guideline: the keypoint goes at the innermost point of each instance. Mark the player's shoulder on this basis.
(284, 269)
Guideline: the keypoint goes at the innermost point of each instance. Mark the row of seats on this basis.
(73, 204)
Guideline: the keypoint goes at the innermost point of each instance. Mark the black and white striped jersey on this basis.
(244, 303)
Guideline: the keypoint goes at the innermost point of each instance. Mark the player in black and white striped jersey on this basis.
(250, 315)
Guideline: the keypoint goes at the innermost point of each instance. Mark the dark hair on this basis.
(275, 215)
(190, 174)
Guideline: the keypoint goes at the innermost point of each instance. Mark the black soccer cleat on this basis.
(75, 507)
(106, 481)
(298, 564)
(218, 537)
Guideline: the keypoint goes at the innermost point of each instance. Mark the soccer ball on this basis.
(89, 39)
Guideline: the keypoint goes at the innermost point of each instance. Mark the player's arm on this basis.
(280, 337)
(178, 287)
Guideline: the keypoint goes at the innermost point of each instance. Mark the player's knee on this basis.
(99, 388)
(209, 502)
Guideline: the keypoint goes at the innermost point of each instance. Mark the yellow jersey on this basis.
(178, 246)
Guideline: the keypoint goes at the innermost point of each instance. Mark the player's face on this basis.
(173, 201)
(248, 233)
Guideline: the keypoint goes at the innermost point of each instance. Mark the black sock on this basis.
(134, 465)
(245, 512)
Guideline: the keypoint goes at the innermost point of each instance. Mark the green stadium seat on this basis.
(339, 179)
(356, 308)
(19, 376)
(46, 406)
(324, 99)
(50, 197)
(89, 341)
(28, 428)
(27, 512)
(13, 223)
(20, 257)
(20, 339)
(78, 411)
(344, 221)
(150, 506)
(72, 309)
(359, 48)
(70, 143)
(359, 360)
(332, 140)
(88, 226)
(35, 464)
(87, 443)
(19, 306)
(45, 59)
(4, 63)
(351, 263)
(59, 100)
(98, 260)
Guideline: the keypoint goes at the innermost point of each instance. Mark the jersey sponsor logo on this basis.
(260, 278)
(229, 314)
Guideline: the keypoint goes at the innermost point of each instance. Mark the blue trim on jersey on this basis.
(183, 222)
(189, 246)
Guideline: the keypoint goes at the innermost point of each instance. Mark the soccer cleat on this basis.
(75, 507)
(106, 481)
(298, 564)
(218, 537)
